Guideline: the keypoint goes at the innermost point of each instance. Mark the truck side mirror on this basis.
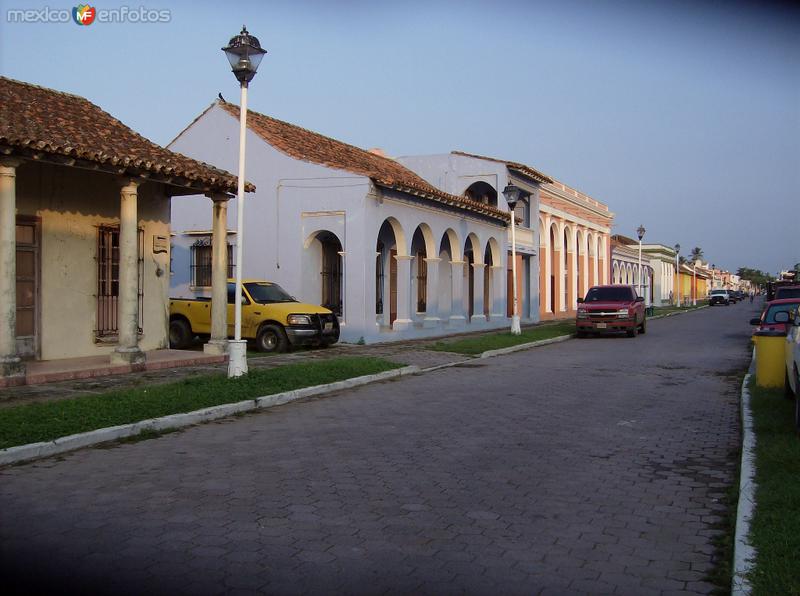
(580, 300)
(639, 299)
(755, 321)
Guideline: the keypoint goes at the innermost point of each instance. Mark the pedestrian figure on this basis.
(751, 297)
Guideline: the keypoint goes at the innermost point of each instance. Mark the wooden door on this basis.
(28, 302)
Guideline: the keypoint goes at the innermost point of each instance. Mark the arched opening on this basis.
(421, 249)
(472, 255)
(492, 260)
(323, 271)
(615, 273)
(580, 270)
(481, 192)
(448, 252)
(390, 244)
(554, 269)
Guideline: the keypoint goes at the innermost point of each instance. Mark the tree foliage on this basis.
(696, 254)
(756, 276)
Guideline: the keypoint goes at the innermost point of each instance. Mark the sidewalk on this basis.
(174, 365)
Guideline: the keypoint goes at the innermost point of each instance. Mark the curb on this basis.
(744, 553)
(520, 347)
(32, 451)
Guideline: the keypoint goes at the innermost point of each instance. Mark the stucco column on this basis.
(498, 298)
(218, 344)
(10, 363)
(457, 316)
(403, 320)
(432, 293)
(592, 271)
(127, 351)
(477, 292)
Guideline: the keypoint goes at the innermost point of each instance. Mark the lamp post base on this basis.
(515, 327)
(237, 358)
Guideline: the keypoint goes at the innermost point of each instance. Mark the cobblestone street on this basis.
(588, 466)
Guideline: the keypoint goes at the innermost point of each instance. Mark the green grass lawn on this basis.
(504, 339)
(775, 530)
(663, 310)
(46, 421)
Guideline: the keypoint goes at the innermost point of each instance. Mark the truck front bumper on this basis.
(321, 332)
(605, 326)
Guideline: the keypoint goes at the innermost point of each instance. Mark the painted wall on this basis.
(71, 203)
(294, 201)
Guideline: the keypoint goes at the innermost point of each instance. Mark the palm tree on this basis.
(697, 254)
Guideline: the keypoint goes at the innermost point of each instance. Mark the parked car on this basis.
(608, 309)
(270, 316)
(792, 352)
(770, 320)
(719, 297)
(787, 292)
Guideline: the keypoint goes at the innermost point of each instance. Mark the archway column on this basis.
(403, 320)
(457, 312)
(477, 292)
(218, 344)
(498, 297)
(432, 293)
(558, 278)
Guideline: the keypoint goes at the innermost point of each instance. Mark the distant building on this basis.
(662, 261)
(625, 267)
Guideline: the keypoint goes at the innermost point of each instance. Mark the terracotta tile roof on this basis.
(512, 165)
(36, 121)
(309, 146)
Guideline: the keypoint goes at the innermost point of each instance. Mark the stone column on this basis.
(477, 292)
(403, 320)
(432, 293)
(218, 344)
(457, 316)
(127, 351)
(10, 363)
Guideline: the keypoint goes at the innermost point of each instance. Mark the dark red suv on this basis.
(609, 309)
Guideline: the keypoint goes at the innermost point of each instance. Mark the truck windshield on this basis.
(267, 293)
(620, 294)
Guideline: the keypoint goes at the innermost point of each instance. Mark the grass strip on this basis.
(31, 423)
(775, 529)
(504, 339)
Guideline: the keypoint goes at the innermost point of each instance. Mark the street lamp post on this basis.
(513, 194)
(678, 273)
(694, 283)
(640, 233)
(245, 54)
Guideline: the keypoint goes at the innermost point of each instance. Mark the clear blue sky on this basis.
(682, 116)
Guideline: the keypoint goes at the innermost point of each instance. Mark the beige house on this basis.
(85, 230)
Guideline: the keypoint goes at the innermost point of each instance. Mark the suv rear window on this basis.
(620, 294)
(790, 292)
(718, 292)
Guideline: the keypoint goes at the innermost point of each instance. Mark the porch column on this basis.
(218, 344)
(403, 320)
(457, 316)
(477, 292)
(10, 363)
(499, 300)
(432, 293)
(127, 351)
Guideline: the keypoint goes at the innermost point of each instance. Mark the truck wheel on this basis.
(180, 334)
(271, 338)
(633, 331)
(643, 328)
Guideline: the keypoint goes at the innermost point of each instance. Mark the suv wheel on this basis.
(633, 331)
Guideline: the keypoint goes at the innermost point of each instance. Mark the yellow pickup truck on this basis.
(270, 316)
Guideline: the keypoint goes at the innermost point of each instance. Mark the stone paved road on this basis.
(592, 465)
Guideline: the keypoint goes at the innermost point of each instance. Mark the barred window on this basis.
(108, 280)
(201, 262)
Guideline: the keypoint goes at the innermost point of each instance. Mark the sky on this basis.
(682, 116)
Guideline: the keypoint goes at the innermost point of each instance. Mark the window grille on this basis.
(201, 263)
(332, 277)
(379, 278)
(422, 283)
(108, 281)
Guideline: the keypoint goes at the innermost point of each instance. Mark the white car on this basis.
(792, 352)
